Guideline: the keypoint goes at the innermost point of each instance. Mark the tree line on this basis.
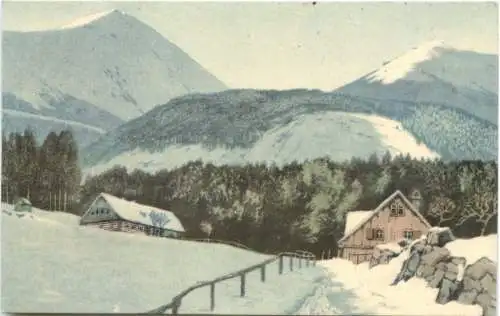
(304, 205)
(47, 174)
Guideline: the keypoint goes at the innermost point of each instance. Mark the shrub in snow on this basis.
(23, 205)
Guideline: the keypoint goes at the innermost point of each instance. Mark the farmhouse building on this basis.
(396, 218)
(115, 214)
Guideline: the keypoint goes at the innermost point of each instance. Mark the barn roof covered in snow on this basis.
(143, 214)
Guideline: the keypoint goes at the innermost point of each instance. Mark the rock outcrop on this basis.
(382, 255)
(466, 282)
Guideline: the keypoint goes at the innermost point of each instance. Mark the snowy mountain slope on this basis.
(337, 135)
(18, 121)
(238, 126)
(434, 72)
(74, 269)
(115, 65)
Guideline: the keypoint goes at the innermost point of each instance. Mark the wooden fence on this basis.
(303, 258)
(217, 241)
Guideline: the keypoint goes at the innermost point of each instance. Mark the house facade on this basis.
(396, 218)
(114, 214)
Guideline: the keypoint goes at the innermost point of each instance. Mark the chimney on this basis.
(416, 199)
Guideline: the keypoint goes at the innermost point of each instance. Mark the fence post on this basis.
(322, 254)
(281, 265)
(307, 261)
(263, 273)
(175, 308)
(329, 255)
(212, 296)
(242, 288)
(300, 262)
(291, 263)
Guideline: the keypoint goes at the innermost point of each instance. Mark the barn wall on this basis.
(130, 227)
(99, 211)
(112, 225)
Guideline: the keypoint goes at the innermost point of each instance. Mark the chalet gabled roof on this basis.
(142, 214)
(380, 208)
(354, 218)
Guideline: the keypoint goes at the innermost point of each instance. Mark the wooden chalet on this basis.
(396, 218)
(115, 214)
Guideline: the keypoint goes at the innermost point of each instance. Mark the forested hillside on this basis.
(239, 119)
(304, 205)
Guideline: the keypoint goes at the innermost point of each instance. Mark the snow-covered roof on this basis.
(354, 218)
(143, 214)
(23, 201)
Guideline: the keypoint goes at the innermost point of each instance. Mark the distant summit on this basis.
(435, 73)
(99, 70)
(93, 17)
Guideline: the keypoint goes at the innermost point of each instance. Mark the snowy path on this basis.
(347, 289)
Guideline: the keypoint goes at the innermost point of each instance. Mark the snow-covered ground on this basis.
(475, 248)
(50, 264)
(338, 135)
(355, 289)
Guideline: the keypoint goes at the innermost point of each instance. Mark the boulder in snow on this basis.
(382, 254)
(439, 236)
(447, 291)
(436, 256)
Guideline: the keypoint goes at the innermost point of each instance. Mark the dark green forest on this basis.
(47, 174)
(268, 208)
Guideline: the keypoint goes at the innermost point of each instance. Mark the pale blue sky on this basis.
(288, 44)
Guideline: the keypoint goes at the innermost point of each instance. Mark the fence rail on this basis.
(217, 241)
(174, 305)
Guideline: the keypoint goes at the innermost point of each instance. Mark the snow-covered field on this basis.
(338, 135)
(50, 264)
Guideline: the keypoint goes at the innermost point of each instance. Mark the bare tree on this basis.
(482, 207)
(207, 228)
(443, 209)
(480, 185)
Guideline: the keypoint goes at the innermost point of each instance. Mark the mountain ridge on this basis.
(115, 63)
(438, 73)
(236, 121)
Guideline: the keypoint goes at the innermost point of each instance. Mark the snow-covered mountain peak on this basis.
(85, 20)
(399, 67)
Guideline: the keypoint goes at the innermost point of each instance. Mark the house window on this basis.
(378, 234)
(374, 234)
(397, 209)
(408, 234)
